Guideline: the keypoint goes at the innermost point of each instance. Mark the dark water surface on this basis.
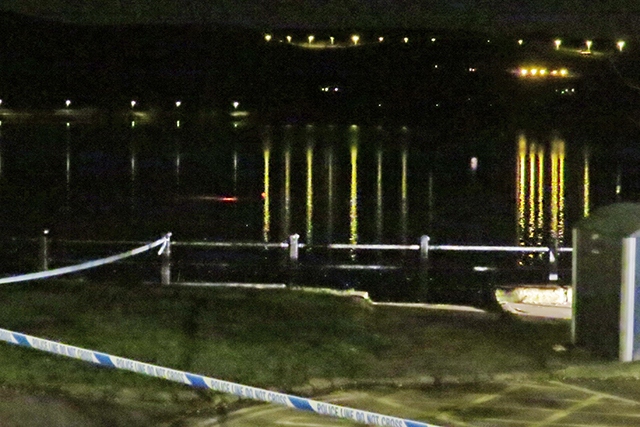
(240, 180)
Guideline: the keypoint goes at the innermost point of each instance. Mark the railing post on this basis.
(294, 254)
(423, 270)
(553, 260)
(44, 250)
(294, 248)
(165, 269)
(424, 249)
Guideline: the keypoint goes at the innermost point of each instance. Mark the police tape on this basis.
(163, 242)
(199, 381)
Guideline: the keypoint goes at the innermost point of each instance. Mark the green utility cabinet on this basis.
(606, 285)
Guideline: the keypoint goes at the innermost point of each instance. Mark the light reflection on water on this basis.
(540, 194)
(329, 183)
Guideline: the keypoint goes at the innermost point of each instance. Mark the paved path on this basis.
(522, 404)
(537, 310)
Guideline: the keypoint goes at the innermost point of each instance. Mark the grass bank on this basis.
(283, 339)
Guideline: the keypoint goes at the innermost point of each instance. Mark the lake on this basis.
(233, 177)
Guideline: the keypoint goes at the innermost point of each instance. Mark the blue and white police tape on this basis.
(163, 242)
(199, 381)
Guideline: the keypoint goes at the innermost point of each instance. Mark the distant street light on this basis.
(235, 105)
(589, 43)
(620, 45)
(332, 39)
(178, 103)
(406, 39)
(311, 38)
(267, 37)
(67, 103)
(289, 39)
(557, 42)
(133, 104)
(381, 39)
(355, 38)
(520, 42)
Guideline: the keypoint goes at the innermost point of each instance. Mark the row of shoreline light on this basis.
(356, 39)
(133, 103)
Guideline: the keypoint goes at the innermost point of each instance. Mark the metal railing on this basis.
(292, 249)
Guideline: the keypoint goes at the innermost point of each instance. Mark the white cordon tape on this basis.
(90, 264)
(199, 381)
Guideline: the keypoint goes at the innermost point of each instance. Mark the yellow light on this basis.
(309, 204)
(266, 214)
(133, 104)
(178, 103)
(589, 43)
(267, 37)
(543, 72)
(534, 71)
(287, 189)
(353, 196)
(235, 104)
(289, 39)
(564, 72)
(433, 39)
(311, 39)
(520, 42)
(355, 38)
(533, 149)
(524, 71)
(540, 190)
(557, 42)
(406, 39)
(67, 103)
(554, 72)
(380, 39)
(586, 183)
(620, 45)
(331, 39)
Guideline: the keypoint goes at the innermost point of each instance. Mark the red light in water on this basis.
(229, 199)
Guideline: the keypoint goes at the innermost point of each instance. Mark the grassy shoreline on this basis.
(282, 339)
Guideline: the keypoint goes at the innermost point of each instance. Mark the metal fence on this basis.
(287, 260)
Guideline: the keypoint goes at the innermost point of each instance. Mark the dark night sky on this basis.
(592, 18)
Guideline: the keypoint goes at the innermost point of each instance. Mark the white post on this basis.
(424, 249)
(165, 269)
(44, 250)
(574, 283)
(294, 248)
(627, 299)
(553, 260)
